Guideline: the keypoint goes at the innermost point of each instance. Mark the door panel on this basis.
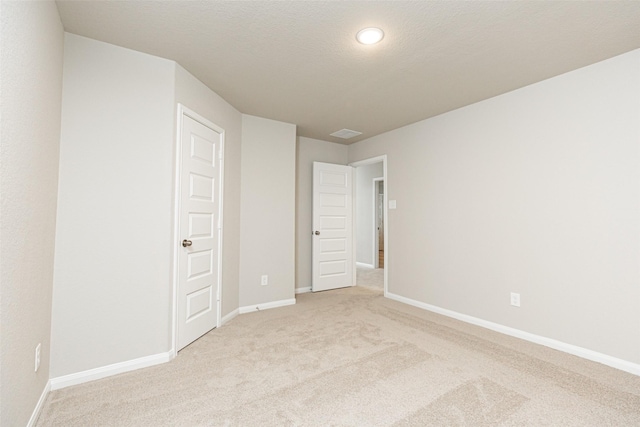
(198, 264)
(200, 225)
(201, 187)
(198, 303)
(332, 265)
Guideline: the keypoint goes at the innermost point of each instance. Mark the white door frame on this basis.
(376, 240)
(365, 162)
(176, 239)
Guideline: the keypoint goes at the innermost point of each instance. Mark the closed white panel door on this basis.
(332, 265)
(199, 231)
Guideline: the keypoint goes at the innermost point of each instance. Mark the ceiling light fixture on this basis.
(370, 35)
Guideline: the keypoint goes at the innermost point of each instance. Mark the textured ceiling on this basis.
(299, 62)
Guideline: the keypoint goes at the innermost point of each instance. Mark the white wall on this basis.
(365, 214)
(309, 151)
(112, 287)
(267, 237)
(31, 38)
(536, 191)
(196, 96)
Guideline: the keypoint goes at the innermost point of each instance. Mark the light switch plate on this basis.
(392, 204)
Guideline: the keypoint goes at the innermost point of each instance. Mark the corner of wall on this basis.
(32, 40)
(267, 238)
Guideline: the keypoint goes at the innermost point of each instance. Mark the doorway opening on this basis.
(370, 223)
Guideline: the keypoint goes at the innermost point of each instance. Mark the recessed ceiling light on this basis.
(370, 35)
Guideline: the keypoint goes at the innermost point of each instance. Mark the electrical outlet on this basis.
(515, 299)
(38, 347)
(265, 280)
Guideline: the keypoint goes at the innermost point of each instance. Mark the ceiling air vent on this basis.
(346, 133)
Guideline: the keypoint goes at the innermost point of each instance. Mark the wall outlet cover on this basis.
(515, 299)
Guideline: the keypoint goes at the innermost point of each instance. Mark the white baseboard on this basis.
(229, 317)
(303, 290)
(109, 370)
(594, 356)
(267, 305)
(38, 408)
(364, 264)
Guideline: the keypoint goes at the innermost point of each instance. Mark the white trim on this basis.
(376, 237)
(181, 112)
(385, 219)
(266, 305)
(110, 370)
(36, 411)
(369, 161)
(385, 213)
(364, 264)
(594, 356)
(303, 290)
(220, 226)
(176, 230)
(354, 231)
(229, 317)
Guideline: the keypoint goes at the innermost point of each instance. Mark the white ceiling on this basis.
(299, 62)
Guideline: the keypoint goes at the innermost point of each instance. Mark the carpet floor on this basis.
(372, 278)
(351, 357)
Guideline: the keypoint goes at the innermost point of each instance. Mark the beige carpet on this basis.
(372, 278)
(353, 358)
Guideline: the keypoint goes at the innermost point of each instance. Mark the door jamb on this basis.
(383, 159)
(376, 240)
(175, 240)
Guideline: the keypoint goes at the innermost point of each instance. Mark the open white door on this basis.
(199, 229)
(332, 253)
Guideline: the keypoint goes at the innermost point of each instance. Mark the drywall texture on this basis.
(365, 211)
(309, 151)
(537, 192)
(267, 237)
(31, 47)
(112, 283)
(194, 95)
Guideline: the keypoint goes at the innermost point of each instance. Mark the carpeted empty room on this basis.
(351, 357)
